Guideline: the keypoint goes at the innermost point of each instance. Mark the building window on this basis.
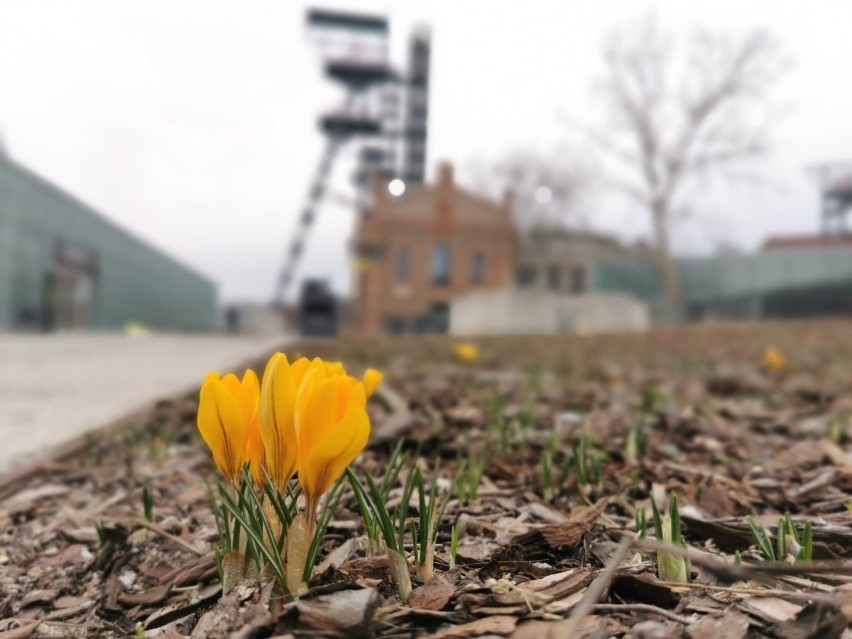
(554, 278)
(395, 326)
(578, 279)
(478, 269)
(526, 276)
(402, 264)
(441, 266)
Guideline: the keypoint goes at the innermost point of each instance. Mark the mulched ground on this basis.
(78, 558)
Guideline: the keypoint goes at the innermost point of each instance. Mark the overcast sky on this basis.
(192, 123)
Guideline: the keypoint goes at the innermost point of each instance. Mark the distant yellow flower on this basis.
(332, 427)
(227, 420)
(466, 351)
(774, 360)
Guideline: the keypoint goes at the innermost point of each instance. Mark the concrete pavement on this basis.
(54, 388)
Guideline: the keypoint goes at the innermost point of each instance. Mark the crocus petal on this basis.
(330, 456)
(372, 378)
(222, 427)
(317, 412)
(276, 420)
(299, 368)
(250, 393)
(254, 451)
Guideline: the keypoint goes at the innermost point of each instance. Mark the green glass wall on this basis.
(134, 282)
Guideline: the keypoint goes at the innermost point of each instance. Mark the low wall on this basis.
(535, 312)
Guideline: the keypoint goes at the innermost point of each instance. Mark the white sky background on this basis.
(192, 123)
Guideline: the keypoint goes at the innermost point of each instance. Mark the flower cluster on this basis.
(308, 417)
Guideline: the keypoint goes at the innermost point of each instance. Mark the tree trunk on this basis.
(665, 263)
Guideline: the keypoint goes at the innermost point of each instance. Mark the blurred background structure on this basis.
(384, 110)
(683, 119)
(63, 266)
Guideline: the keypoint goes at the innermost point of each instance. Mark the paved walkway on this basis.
(56, 387)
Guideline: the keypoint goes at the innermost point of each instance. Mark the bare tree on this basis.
(678, 110)
(549, 189)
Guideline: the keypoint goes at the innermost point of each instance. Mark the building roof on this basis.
(420, 202)
(781, 242)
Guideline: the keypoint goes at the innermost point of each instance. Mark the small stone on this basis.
(127, 579)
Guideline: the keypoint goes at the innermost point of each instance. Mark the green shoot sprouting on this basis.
(332, 499)
(424, 534)
(761, 537)
(496, 421)
(392, 526)
(469, 476)
(372, 526)
(641, 523)
(580, 463)
(835, 430)
(670, 567)
(547, 468)
(148, 504)
(589, 467)
(788, 544)
(637, 441)
(455, 534)
(253, 527)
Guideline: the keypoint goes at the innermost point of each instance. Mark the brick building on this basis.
(418, 251)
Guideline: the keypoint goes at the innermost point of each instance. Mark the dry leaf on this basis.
(494, 625)
(434, 594)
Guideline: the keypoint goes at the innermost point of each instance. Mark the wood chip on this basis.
(502, 625)
(731, 625)
(434, 594)
(347, 613)
(152, 596)
(770, 609)
(571, 531)
(24, 500)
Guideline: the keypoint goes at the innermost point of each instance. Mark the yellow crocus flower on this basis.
(332, 427)
(227, 420)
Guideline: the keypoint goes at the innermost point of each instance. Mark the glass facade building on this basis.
(64, 266)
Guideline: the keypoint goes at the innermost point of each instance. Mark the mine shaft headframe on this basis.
(354, 46)
(354, 50)
(835, 182)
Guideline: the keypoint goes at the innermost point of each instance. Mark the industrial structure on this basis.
(422, 249)
(384, 113)
(64, 266)
(423, 268)
(410, 235)
(835, 184)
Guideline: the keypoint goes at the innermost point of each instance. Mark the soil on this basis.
(727, 435)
